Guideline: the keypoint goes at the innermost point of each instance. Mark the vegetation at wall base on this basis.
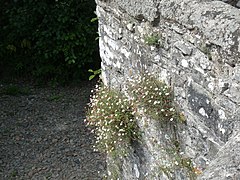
(112, 116)
(48, 40)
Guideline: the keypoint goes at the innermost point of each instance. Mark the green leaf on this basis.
(94, 19)
(98, 71)
(91, 77)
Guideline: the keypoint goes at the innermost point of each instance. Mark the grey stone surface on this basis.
(238, 4)
(43, 135)
(235, 3)
(226, 165)
(198, 57)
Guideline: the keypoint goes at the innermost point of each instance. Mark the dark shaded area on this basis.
(232, 2)
(48, 40)
(211, 119)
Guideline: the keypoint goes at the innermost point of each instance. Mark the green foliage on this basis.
(153, 40)
(49, 40)
(94, 19)
(95, 73)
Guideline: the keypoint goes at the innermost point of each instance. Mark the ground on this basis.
(43, 134)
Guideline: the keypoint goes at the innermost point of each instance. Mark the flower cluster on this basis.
(112, 115)
(154, 96)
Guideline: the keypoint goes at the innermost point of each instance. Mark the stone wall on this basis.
(194, 46)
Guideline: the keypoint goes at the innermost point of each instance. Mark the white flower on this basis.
(171, 109)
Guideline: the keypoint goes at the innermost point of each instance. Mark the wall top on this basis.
(217, 21)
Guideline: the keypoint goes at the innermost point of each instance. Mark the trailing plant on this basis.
(112, 115)
(156, 100)
(155, 97)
